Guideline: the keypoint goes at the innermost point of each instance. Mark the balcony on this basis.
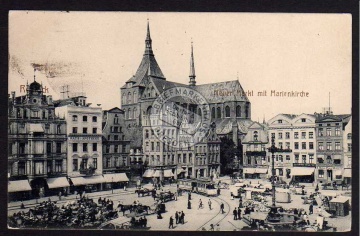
(87, 171)
(256, 153)
(304, 165)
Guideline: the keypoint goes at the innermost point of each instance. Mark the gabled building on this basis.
(37, 145)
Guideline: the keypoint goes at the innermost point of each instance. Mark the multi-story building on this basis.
(255, 163)
(295, 137)
(347, 147)
(116, 148)
(84, 140)
(228, 105)
(37, 145)
(330, 142)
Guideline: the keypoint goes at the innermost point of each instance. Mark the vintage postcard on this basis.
(180, 121)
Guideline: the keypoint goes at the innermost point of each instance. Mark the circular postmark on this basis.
(180, 117)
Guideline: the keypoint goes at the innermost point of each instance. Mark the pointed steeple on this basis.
(192, 75)
(148, 41)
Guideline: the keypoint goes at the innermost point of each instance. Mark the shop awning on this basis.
(116, 177)
(18, 186)
(148, 173)
(180, 170)
(347, 173)
(57, 182)
(97, 179)
(156, 174)
(261, 171)
(249, 170)
(168, 173)
(36, 128)
(301, 171)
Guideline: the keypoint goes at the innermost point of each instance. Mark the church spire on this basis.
(192, 75)
(148, 47)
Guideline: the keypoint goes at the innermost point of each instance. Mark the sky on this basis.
(96, 52)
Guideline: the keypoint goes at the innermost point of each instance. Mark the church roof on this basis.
(224, 126)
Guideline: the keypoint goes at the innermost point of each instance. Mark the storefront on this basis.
(303, 174)
(116, 180)
(19, 190)
(255, 173)
(56, 185)
(180, 173)
(87, 184)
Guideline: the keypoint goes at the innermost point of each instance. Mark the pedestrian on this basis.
(222, 208)
(218, 191)
(235, 213)
(189, 205)
(232, 196)
(189, 196)
(240, 202)
(200, 204)
(145, 221)
(59, 195)
(209, 202)
(182, 217)
(171, 222)
(211, 227)
(239, 213)
(175, 196)
(124, 187)
(22, 205)
(177, 217)
(311, 209)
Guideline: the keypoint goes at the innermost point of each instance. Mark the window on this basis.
(280, 135)
(75, 147)
(58, 147)
(304, 158)
(247, 111)
(337, 161)
(85, 147)
(95, 163)
(74, 130)
(116, 129)
(255, 136)
(107, 149)
(328, 159)
(48, 148)
(303, 145)
(303, 120)
(84, 118)
(311, 145)
(256, 147)
(320, 160)
(320, 146)
(227, 111)
(328, 124)
(179, 158)
(213, 113)
(349, 147)
(349, 136)
(303, 134)
(94, 130)
(124, 148)
(84, 130)
(321, 173)
(288, 157)
(287, 145)
(58, 166)
(152, 146)
(108, 162)
(58, 129)
(21, 148)
(94, 119)
(94, 147)
(116, 137)
(337, 131)
(74, 118)
(238, 111)
(146, 133)
(280, 145)
(296, 145)
(296, 158)
(116, 148)
(281, 158)
(337, 146)
(328, 131)
(75, 165)
(281, 172)
(311, 158)
(287, 135)
(116, 119)
(280, 121)
(296, 135)
(21, 168)
(328, 146)
(184, 158)
(218, 112)
(311, 134)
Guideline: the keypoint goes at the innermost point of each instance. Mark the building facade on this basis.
(295, 137)
(330, 131)
(347, 147)
(37, 143)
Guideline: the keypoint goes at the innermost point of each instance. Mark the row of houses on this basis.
(311, 147)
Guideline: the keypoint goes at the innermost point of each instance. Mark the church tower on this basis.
(192, 75)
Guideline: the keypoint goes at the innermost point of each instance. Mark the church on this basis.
(229, 108)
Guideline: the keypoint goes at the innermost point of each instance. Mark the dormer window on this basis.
(280, 121)
(303, 120)
(255, 136)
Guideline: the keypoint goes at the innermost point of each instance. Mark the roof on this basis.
(342, 117)
(340, 199)
(224, 126)
(290, 116)
(114, 110)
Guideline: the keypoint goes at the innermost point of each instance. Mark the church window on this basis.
(227, 111)
(238, 111)
(129, 98)
(218, 111)
(213, 113)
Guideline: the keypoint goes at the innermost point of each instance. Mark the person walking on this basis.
(171, 222)
(176, 218)
(239, 213)
(59, 195)
(200, 204)
(189, 205)
(235, 213)
(182, 217)
(145, 221)
(209, 203)
(189, 196)
(240, 202)
(222, 208)
(311, 209)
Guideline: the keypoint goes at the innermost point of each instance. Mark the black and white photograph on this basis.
(179, 121)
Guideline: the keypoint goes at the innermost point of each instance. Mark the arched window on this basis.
(146, 133)
(129, 98)
(129, 113)
(218, 112)
(135, 113)
(247, 111)
(255, 136)
(152, 92)
(123, 100)
(135, 97)
(58, 129)
(213, 113)
(238, 111)
(199, 112)
(227, 111)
